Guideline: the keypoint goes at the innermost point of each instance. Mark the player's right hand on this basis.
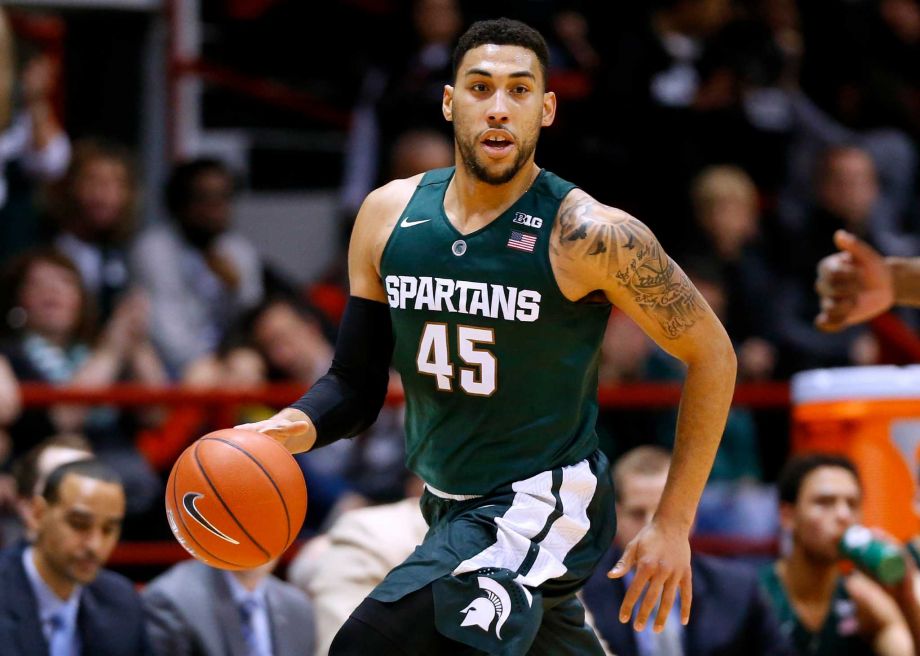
(854, 285)
(291, 427)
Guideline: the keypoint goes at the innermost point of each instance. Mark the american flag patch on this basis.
(522, 241)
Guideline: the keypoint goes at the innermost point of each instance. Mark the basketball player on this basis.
(489, 285)
(858, 284)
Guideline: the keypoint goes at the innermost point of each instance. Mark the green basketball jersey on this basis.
(838, 635)
(499, 368)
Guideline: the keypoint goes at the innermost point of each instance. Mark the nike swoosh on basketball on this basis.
(188, 502)
(406, 223)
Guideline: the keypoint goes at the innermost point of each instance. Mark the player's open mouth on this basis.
(497, 143)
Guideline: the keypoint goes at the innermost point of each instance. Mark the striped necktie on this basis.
(60, 643)
(247, 609)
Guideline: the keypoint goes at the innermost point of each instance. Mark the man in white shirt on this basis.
(199, 275)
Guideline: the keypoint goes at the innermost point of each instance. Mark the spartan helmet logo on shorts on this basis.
(483, 610)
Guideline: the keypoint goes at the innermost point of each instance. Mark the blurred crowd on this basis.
(744, 133)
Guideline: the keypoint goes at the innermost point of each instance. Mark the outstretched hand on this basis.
(661, 557)
(854, 284)
(296, 433)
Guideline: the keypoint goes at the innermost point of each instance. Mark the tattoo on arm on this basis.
(624, 249)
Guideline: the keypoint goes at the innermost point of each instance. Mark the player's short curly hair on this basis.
(502, 32)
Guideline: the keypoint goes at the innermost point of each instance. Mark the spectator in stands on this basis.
(726, 209)
(51, 340)
(653, 83)
(31, 473)
(236, 366)
(874, 173)
(200, 274)
(405, 97)
(730, 614)
(846, 191)
(339, 568)
(744, 109)
(574, 62)
(55, 598)
(823, 611)
(846, 194)
(371, 465)
(35, 138)
(34, 148)
(414, 151)
(196, 610)
(95, 211)
(861, 62)
(278, 340)
(283, 341)
(291, 340)
(895, 73)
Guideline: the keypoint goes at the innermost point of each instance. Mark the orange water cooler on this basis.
(871, 415)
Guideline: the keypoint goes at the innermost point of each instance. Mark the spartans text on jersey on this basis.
(462, 296)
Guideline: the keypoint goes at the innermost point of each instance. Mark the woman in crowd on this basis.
(50, 338)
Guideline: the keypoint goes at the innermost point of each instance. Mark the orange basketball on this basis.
(235, 499)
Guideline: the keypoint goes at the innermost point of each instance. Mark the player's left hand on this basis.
(661, 557)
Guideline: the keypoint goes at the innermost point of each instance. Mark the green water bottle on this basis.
(876, 556)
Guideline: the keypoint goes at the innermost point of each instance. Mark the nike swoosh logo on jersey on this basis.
(406, 223)
(188, 502)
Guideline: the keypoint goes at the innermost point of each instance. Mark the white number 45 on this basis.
(433, 358)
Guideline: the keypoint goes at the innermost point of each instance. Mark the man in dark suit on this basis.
(196, 610)
(730, 615)
(55, 598)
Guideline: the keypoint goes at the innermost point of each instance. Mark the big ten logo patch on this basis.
(528, 220)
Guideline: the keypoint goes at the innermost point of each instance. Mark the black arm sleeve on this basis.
(348, 399)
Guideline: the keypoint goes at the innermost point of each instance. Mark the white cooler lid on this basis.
(853, 383)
